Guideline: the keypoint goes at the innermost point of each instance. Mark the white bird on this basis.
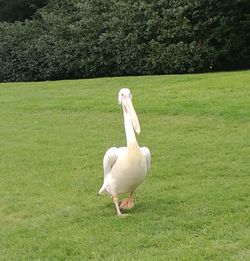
(126, 167)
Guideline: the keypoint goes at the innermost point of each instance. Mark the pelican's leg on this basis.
(118, 211)
(128, 203)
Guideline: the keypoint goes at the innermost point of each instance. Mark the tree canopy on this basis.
(91, 38)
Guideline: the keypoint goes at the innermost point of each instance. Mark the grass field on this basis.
(194, 203)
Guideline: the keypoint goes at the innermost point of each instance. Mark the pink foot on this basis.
(127, 203)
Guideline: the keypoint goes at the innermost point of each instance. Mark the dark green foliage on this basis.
(77, 39)
(19, 10)
(245, 29)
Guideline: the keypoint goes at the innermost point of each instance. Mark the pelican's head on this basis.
(125, 99)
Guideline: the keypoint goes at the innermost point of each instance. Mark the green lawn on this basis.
(194, 203)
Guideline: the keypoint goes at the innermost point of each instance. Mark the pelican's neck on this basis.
(130, 133)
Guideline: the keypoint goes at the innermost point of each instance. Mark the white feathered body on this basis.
(130, 166)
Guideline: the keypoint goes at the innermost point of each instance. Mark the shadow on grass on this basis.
(145, 206)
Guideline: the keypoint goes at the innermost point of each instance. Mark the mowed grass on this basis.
(194, 203)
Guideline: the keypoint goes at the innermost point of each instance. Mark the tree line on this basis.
(92, 38)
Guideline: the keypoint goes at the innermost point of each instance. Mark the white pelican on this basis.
(126, 167)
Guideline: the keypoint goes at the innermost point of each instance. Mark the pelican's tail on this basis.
(103, 189)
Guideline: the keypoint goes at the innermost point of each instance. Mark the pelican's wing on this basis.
(109, 160)
(146, 152)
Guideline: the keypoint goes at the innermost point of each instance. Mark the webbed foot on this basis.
(127, 203)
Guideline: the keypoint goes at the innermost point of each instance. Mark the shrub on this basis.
(77, 39)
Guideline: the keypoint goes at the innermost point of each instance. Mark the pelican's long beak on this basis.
(129, 108)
